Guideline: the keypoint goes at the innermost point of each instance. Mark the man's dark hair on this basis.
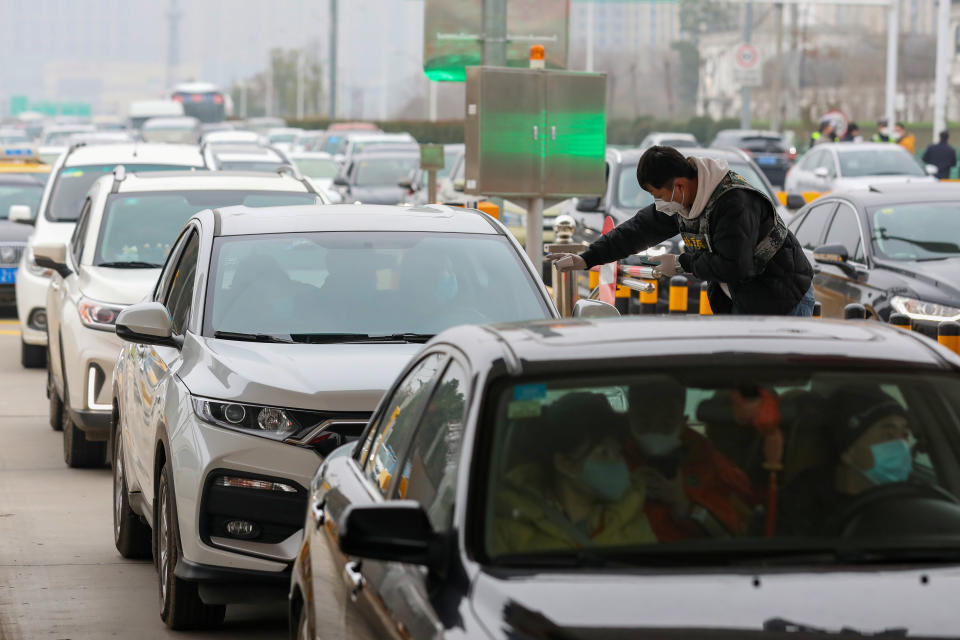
(900, 124)
(853, 127)
(659, 166)
(824, 125)
(944, 136)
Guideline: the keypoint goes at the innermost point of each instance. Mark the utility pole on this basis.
(333, 59)
(777, 71)
(268, 99)
(745, 92)
(173, 42)
(590, 28)
(301, 66)
(893, 39)
(942, 69)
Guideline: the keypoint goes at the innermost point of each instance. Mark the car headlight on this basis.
(98, 315)
(269, 422)
(34, 268)
(923, 310)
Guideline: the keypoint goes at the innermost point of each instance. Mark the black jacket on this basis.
(741, 218)
(943, 156)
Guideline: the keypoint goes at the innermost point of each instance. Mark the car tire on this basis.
(32, 356)
(180, 605)
(78, 452)
(131, 535)
(56, 405)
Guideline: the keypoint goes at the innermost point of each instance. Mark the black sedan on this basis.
(892, 248)
(645, 478)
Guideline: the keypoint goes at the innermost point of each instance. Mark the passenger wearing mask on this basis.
(868, 433)
(573, 489)
(942, 156)
(693, 490)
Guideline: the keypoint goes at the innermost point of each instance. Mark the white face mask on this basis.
(669, 207)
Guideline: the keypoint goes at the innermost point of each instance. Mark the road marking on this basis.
(7, 332)
(5, 321)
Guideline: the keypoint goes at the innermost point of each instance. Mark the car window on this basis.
(674, 466)
(80, 232)
(811, 227)
(430, 471)
(762, 144)
(317, 167)
(845, 231)
(629, 193)
(399, 417)
(180, 298)
(811, 160)
(24, 193)
(916, 230)
(829, 163)
(384, 172)
(748, 173)
(163, 282)
(892, 161)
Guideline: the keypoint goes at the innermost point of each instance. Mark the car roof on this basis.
(736, 339)
(140, 153)
(171, 121)
(209, 181)
(242, 220)
(887, 193)
(632, 156)
(759, 133)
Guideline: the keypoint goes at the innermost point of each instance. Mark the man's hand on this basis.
(669, 265)
(567, 261)
(669, 491)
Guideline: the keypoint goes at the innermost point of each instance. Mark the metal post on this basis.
(433, 100)
(243, 100)
(494, 33)
(173, 42)
(942, 69)
(745, 92)
(301, 64)
(590, 28)
(535, 231)
(431, 185)
(777, 71)
(268, 99)
(333, 59)
(893, 32)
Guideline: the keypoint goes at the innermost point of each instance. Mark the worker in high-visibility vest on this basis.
(825, 134)
(882, 134)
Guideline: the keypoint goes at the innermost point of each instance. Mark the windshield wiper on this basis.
(132, 264)
(783, 625)
(250, 337)
(326, 338)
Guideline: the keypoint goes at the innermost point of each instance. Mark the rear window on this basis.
(762, 145)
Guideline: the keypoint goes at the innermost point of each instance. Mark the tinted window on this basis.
(80, 232)
(845, 231)
(762, 145)
(430, 471)
(72, 183)
(892, 161)
(28, 193)
(916, 231)
(383, 171)
(811, 227)
(400, 415)
(240, 165)
(180, 298)
(629, 193)
(317, 167)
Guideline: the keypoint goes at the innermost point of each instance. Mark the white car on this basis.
(283, 137)
(233, 136)
(318, 166)
(358, 143)
(72, 175)
(847, 165)
(245, 157)
(268, 341)
(127, 225)
(179, 129)
(669, 139)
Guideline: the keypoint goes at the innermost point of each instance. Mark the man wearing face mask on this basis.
(573, 489)
(733, 237)
(870, 448)
(693, 490)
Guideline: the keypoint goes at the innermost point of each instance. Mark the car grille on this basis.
(11, 252)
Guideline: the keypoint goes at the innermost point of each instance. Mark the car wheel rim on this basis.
(117, 486)
(164, 545)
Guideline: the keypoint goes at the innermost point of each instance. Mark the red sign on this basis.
(747, 56)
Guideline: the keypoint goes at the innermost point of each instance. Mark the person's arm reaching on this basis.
(647, 228)
(734, 236)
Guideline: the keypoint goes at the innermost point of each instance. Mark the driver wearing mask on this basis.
(693, 490)
(870, 448)
(573, 489)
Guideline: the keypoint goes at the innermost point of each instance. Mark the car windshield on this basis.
(449, 159)
(140, 228)
(381, 172)
(264, 166)
(318, 285)
(677, 142)
(283, 137)
(20, 193)
(72, 184)
(750, 174)
(13, 137)
(317, 167)
(916, 231)
(721, 465)
(762, 145)
(856, 163)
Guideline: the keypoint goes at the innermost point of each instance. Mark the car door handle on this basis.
(319, 514)
(354, 578)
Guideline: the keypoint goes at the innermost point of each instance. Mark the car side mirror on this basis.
(795, 201)
(147, 323)
(394, 531)
(585, 308)
(20, 213)
(459, 185)
(931, 169)
(588, 204)
(341, 181)
(406, 183)
(52, 255)
(821, 172)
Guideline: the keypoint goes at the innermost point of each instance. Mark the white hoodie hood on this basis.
(709, 174)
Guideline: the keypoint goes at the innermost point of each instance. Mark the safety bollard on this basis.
(705, 309)
(817, 309)
(648, 299)
(854, 311)
(901, 321)
(948, 334)
(678, 295)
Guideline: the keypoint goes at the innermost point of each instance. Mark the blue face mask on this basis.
(609, 479)
(447, 286)
(891, 462)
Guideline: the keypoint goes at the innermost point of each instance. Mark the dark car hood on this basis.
(590, 606)
(934, 280)
(379, 195)
(14, 231)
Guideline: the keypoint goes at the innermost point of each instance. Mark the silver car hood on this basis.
(116, 286)
(321, 377)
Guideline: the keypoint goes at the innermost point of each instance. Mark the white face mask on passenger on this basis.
(669, 207)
